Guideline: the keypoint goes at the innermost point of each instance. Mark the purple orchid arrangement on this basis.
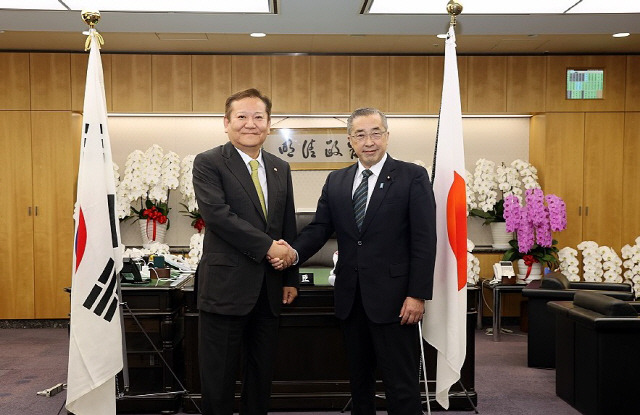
(534, 223)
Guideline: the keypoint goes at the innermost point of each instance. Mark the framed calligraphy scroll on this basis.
(311, 148)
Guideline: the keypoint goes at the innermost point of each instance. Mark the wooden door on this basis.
(56, 147)
(604, 138)
(563, 169)
(16, 216)
(631, 179)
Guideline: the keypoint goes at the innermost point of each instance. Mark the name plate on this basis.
(305, 278)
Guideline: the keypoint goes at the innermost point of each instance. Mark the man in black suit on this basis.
(383, 213)
(245, 196)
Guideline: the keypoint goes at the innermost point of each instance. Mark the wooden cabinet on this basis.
(39, 169)
(131, 80)
(582, 161)
(211, 82)
(50, 81)
(171, 83)
(487, 84)
(290, 84)
(330, 82)
(369, 82)
(631, 179)
(14, 81)
(16, 215)
(409, 84)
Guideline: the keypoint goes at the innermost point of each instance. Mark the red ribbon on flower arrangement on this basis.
(153, 214)
(529, 260)
(199, 224)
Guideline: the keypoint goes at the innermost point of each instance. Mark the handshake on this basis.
(281, 255)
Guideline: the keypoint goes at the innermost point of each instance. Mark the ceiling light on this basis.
(258, 34)
(32, 5)
(504, 7)
(206, 6)
(470, 6)
(599, 6)
(621, 34)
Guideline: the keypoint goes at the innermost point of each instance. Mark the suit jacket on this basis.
(393, 256)
(237, 235)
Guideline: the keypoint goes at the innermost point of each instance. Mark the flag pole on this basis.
(91, 18)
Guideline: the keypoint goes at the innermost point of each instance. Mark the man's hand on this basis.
(281, 255)
(289, 294)
(412, 310)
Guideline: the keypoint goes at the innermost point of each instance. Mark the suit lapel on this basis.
(236, 165)
(384, 182)
(273, 182)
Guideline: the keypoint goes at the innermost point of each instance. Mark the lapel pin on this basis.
(381, 185)
(388, 177)
(275, 169)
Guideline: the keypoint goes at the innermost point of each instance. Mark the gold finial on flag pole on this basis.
(92, 18)
(454, 9)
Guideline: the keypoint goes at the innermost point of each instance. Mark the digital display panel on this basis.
(585, 83)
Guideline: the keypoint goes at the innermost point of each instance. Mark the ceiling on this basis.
(322, 27)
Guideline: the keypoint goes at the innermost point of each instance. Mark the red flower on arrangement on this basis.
(199, 224)
(154, 214)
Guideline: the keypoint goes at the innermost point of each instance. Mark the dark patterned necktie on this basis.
(360, 198)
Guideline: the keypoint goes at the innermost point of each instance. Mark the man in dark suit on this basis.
(245, 196)
(383, 213)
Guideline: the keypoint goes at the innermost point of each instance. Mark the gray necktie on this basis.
(360, 198)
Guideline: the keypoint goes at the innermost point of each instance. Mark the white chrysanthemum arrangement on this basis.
(188, 194)
(148, 178)
(195, 248)
(591, 261)
(569, 264)
(483, 199)
(485, 185)
(473, 265)
(631, 256)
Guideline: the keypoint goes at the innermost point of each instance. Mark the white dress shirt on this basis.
(373, 178)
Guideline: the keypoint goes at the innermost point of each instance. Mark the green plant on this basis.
(494, 215)
(547, 256)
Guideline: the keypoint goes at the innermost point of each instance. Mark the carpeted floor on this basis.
(32, 360)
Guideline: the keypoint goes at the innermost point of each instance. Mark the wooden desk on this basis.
(311, 366)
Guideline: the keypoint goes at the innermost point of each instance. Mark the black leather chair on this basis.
(324, 257)
(597, 342)
(556, 287)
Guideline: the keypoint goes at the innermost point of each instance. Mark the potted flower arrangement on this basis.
(534, 223)
(485, 186)
(148, 179)
(188, 194)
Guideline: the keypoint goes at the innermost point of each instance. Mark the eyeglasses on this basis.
(375, 135)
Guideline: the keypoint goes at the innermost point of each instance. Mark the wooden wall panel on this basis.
(563, 169)
(537, 134)
(290, 84)
(251, 72)
(487, 84)
(614, 83)
(56, 147)
(79, 64)
(436, 74)
(369, 82)
(16, 221)
(632, 87)
(171, 83)
(526, 84)
(211, 82)
(631, 179)
(409, 84)
(604, 138)
(131, 83)
(50, 77)
(14, 81)
(330, 84)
